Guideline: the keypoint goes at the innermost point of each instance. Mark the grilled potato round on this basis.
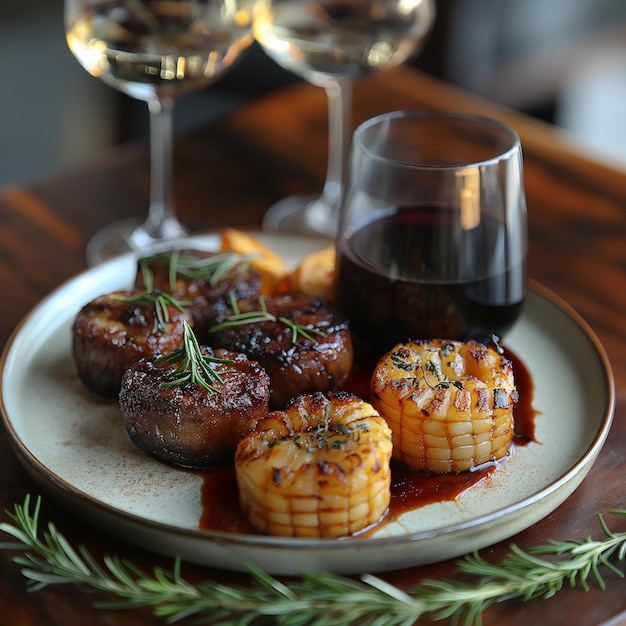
(449, 404)
(320, 468)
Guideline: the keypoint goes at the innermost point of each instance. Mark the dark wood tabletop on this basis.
(228, 175)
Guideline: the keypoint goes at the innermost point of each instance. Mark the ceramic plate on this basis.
(75, 446)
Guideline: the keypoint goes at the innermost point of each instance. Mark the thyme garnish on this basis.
(310, 599)
(327, 434)
(431, 366)
(213, 268)
(442, 381)
(195, 367)
(263, 315)
(400, 363)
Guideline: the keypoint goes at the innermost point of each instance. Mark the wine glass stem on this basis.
(339, 94)
(161, 222)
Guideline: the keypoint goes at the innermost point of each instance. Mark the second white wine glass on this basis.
(331, 43)
(155, 50)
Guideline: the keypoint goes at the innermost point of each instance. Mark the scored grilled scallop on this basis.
(110, 333)
(190, 424)
(320, 468)
(206, 279)
(317, 359)
(449, 404)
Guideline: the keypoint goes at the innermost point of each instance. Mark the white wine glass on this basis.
(155, 50)
(433, 221)
(331, 43)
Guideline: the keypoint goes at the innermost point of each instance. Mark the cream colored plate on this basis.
(75, 446)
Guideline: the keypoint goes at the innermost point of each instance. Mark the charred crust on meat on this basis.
(109, 334)
(189, 425)
(304, 366)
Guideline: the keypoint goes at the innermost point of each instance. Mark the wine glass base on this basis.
(301, 214)
(126, 236)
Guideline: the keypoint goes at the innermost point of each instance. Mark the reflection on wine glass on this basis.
(433, 222)
(330, 43)
(155, 50)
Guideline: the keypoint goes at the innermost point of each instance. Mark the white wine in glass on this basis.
(331, 43)
(155, 50)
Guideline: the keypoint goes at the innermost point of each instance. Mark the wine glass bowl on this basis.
(155, 50)
(331, 43)
(432, 237)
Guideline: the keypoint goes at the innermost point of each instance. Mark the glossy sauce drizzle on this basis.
(409, 489)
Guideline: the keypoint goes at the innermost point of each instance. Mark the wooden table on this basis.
(228, 175)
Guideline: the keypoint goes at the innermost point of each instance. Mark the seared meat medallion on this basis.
(113, 331)
(320, 468)
(192, 424)
(302, 343)
(449, 404)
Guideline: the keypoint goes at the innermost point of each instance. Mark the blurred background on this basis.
(563, 61)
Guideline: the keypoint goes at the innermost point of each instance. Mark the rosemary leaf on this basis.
(313, 598)
(298, 329)
(263, 315)
(213, 268)
(160, 301)
(195, 367)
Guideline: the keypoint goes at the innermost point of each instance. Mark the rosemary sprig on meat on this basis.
(150, 297)
(212, 268)
(160, 301)
(311, 599)
(237, 318)
(195, 367)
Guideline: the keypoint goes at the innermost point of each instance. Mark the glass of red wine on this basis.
(433, 234)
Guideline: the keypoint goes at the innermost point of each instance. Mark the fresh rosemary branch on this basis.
(263, 315)
(195, 366)
(311, 599)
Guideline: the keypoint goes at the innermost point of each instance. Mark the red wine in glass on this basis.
(412, 274)
(433, 232)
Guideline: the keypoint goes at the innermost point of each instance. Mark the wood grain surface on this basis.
(229, 174)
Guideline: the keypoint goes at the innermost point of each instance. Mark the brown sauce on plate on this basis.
(410, 489)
